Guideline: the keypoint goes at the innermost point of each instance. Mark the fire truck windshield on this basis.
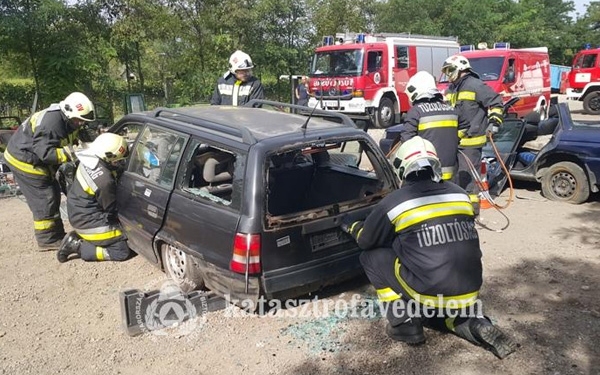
(337, 63)
(488, 68)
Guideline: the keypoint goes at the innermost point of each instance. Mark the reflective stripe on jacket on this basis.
(40, 140)
(437, 122)
(475, 101)
(92, 205)
(432, 231)
(231, 91)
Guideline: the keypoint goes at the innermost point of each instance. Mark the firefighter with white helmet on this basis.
(432, 119)
(92, 203)
(238, 86)
(482, 106)
(422, 254)
(36, 150)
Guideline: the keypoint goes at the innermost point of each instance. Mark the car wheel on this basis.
(566, 182)
(181, 268)
(591, 103)
(386, 114)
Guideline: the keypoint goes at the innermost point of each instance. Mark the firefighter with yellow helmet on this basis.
(36, 150)
(482, 106)
(422, 254)
(238, 86)
(92, 203)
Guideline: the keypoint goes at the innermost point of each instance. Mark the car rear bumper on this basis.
(308, 277)
(283, 283)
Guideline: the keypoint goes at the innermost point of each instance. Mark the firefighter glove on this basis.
(353, 228)
(494, 124)
(492, 128)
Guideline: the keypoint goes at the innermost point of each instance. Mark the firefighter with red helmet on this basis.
(433, 119)
(482, 106)
(36, 150)
(92, 203)
(422, 254)
(238, 86)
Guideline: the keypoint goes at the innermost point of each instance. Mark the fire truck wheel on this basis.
(182, 268)
(591, 103)
(566, 182)
(386, 114)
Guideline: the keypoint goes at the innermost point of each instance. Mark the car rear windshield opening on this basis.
(315, 178)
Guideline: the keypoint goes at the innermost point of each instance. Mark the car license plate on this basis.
(329, 239)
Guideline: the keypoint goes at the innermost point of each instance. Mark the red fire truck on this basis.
(518, 72)
(365, 75)
(584, 80)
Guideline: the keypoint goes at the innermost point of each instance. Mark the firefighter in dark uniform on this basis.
(238, 86)
(431, 118)
(35, 151)
(482, 106)
(92, 203)
(422, 254)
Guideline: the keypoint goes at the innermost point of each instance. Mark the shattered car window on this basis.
(210, 173)
(317, 177)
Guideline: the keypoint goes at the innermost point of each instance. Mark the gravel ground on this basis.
(541, 286)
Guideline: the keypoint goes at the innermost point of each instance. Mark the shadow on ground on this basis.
(551, 307)
(535, 188)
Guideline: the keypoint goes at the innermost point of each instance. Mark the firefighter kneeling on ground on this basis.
(92, 203)
(423, 257)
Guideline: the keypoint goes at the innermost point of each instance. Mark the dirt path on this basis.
(541, 286)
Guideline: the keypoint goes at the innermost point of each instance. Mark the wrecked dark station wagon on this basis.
(248, 201)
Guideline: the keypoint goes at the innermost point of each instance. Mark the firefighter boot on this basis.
(400, 327)
(70, 245)
(480, 331)
(49, 246)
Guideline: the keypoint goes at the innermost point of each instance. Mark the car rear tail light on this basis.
(246, 253)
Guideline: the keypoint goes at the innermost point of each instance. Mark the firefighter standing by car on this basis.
(433, 119)
(482, 106)
(238, 86)
(422, 254)
(35, 151)
(92, 203)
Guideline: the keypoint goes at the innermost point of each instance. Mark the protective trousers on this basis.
(117, 251)
(468, 157)
(379, 268)
(43, 198)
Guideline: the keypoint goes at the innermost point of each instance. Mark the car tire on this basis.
(386, 114)
(566, 182)
(182, 268)
(591, 103)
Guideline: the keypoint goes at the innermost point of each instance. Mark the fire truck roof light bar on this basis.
(369, 38)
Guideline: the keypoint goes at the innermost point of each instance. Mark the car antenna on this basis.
(311, 114)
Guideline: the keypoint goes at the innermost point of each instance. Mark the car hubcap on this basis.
(176, 262)
(564, 185)
(595, 104)
(386, 114)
